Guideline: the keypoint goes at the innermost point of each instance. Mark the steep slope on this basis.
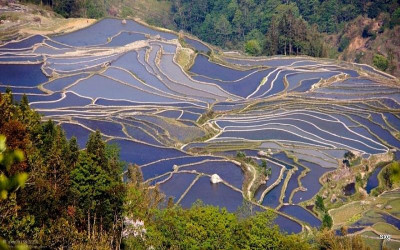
(367, 38)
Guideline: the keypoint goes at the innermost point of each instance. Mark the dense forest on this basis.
(262, 27)
(274, 26)
(56, 195)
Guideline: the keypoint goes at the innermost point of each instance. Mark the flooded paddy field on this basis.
(181, 127)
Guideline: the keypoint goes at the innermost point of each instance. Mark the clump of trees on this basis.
(391, 175)
(289, 34)
(208, 227)
(72, 197)
(327, 221)
(266, 170)
(277, 27)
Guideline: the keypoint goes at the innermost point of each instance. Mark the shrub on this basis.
(319, 203)
(263, 163)
(253, 47)
(240, 154)
(380, 62)
(327, 221)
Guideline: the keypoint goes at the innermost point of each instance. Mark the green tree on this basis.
(140, 200)
(223, 29)
(238, 23)
(319, 203)
(97, 189)
(327, 221)
(50, 174)
(96, 149)
(89, 188)
(73, 152)
(272, 38)
(263, 164)
(386, 177)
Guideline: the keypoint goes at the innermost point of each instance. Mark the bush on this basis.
(327, 221)
(380, 62)
(240, 154)
(319, 203)
(263, 163)
(253, 47)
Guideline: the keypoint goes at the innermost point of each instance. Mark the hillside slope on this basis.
(368, 38)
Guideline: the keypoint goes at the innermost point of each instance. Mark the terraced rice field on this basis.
(123, 79)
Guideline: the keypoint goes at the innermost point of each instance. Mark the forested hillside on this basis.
(357, 31)
(262, 27)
